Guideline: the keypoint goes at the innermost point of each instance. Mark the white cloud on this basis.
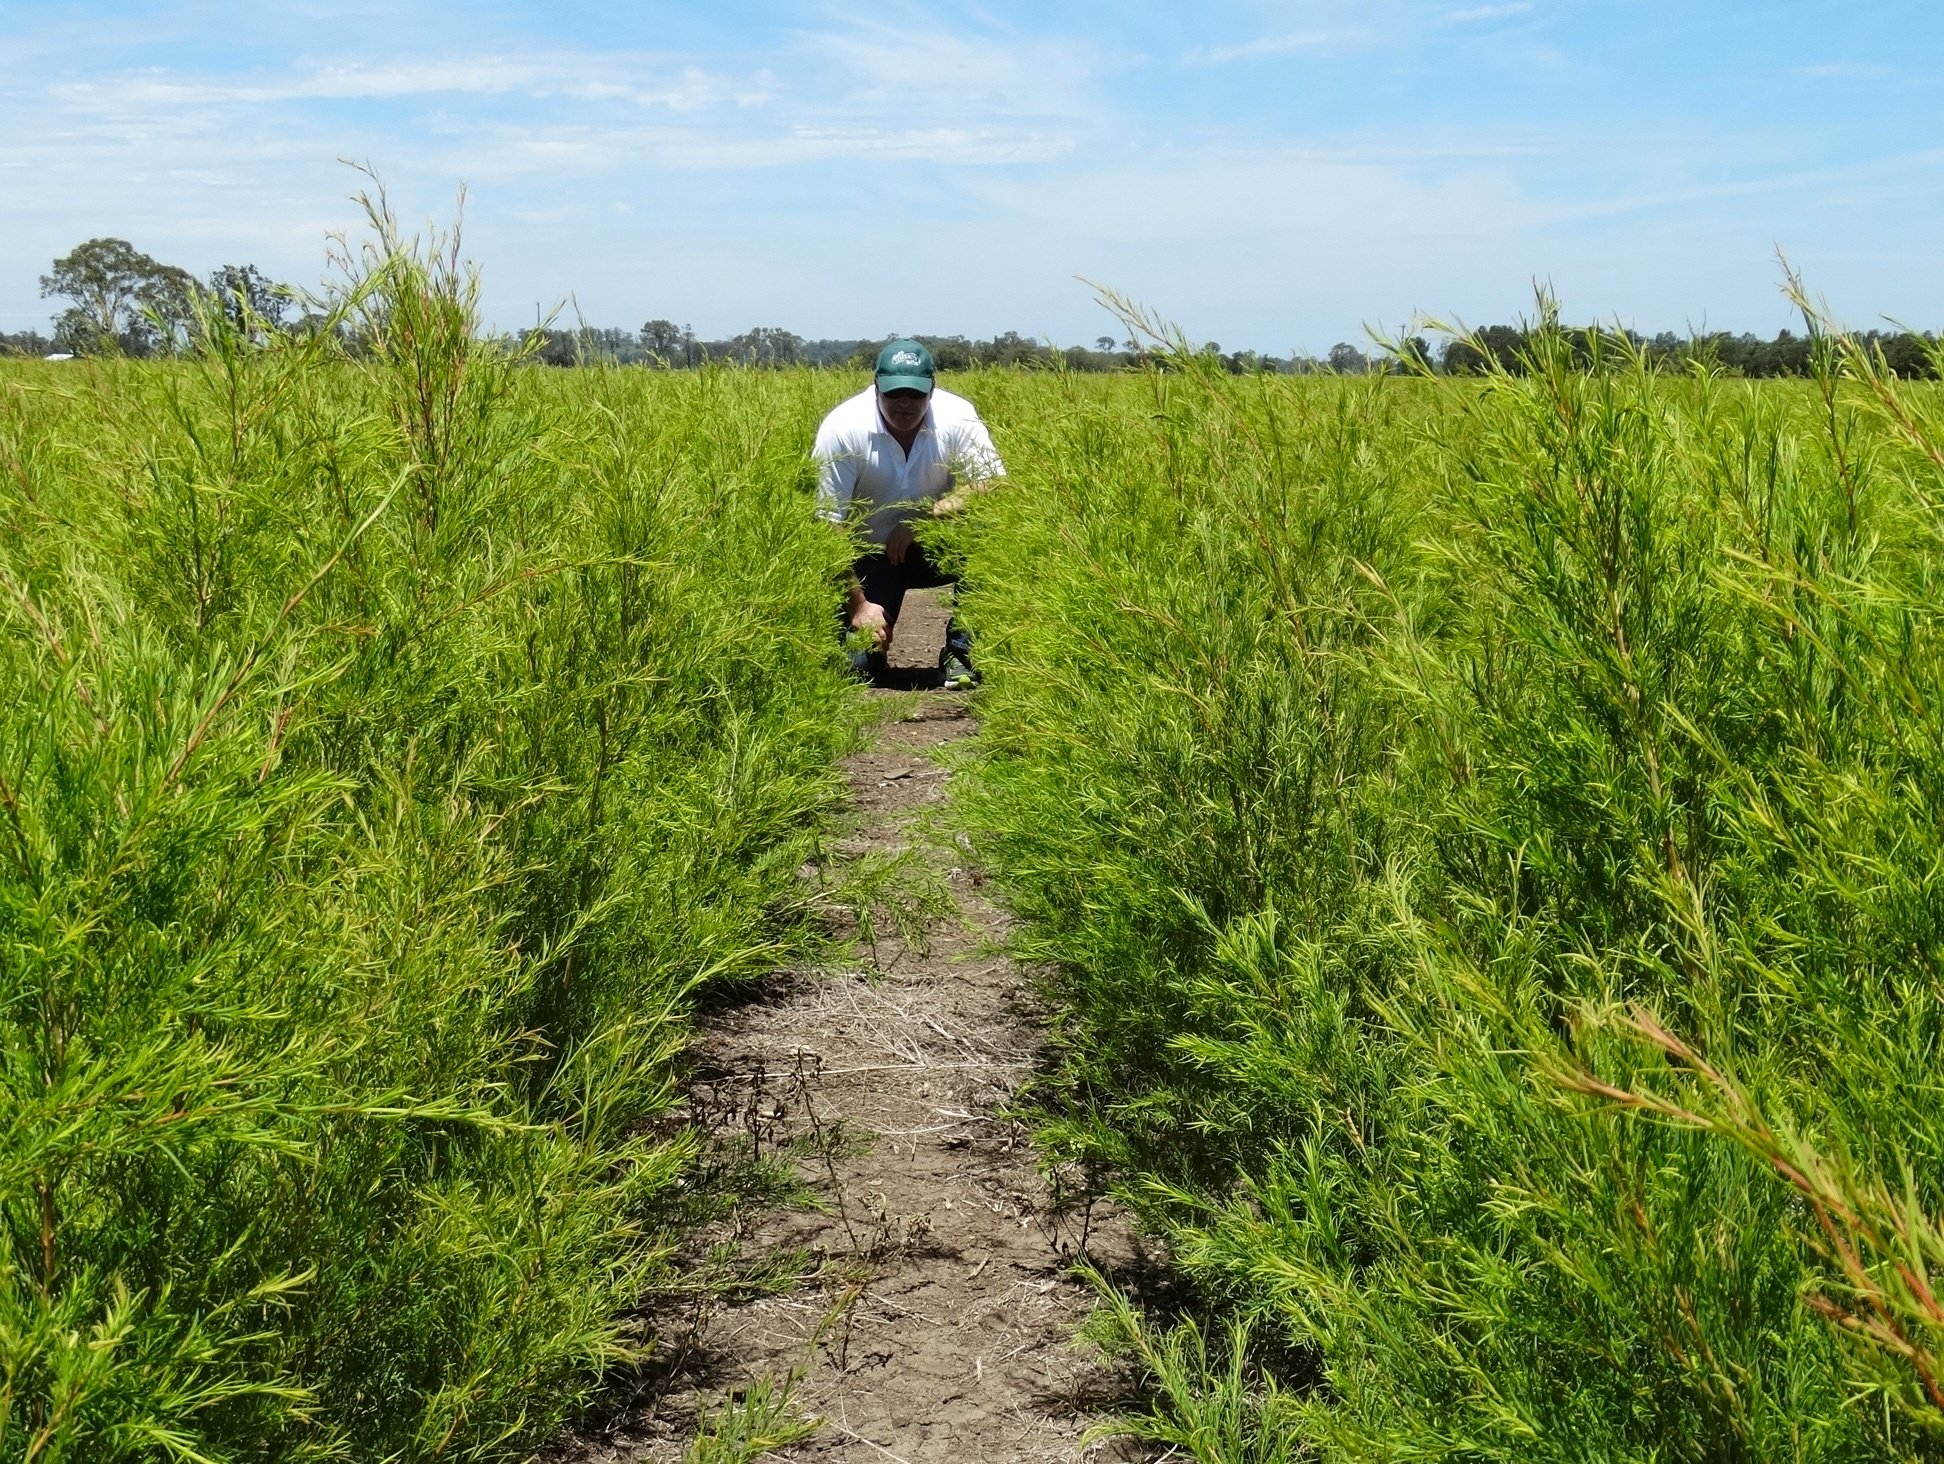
(1489, 12)
(514, 152)
(1379, 25)
(979, 99)
(1291, 43)
(1863, 175)
(1019, 159)
(870, 68)
(583, 76)
(1846, 71)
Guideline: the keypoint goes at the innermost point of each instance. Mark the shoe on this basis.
(868, 667)
(958, 672)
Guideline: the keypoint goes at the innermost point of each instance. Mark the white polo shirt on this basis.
(864, 471)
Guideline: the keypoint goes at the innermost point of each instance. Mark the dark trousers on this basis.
(885, 584)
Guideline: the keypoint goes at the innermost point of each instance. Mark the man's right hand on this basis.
(868, 616)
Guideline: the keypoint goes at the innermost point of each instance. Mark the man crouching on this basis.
(901, 450)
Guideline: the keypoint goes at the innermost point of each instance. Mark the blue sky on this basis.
(1273, 175)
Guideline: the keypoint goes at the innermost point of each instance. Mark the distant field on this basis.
(1483, 839)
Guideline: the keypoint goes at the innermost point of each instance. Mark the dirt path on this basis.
(936, 1320)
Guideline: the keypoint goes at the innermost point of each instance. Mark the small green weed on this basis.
(1211, 1405)
(751, 1423)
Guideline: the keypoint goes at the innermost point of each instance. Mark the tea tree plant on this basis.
(383, 767)
(1360, 754)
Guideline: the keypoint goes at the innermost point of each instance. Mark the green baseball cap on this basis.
(905, 366)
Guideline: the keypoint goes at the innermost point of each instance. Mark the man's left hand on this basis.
(958, 498)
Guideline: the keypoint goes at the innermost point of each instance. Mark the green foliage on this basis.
(389, 749)
(1207, 1407)
(751, 1424)
(1483, 843)
(123, 300)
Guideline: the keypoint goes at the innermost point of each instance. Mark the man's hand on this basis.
(899, 545)
(958, 498)
(868, 616)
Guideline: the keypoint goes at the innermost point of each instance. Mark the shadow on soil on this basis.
(910, 678)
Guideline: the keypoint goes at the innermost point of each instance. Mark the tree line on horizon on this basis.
(123, 302)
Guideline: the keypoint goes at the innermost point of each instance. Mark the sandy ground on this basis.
(936, 1315)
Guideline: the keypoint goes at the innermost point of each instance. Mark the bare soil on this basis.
(935, 1313)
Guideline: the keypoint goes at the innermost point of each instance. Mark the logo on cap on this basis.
(904, 365)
